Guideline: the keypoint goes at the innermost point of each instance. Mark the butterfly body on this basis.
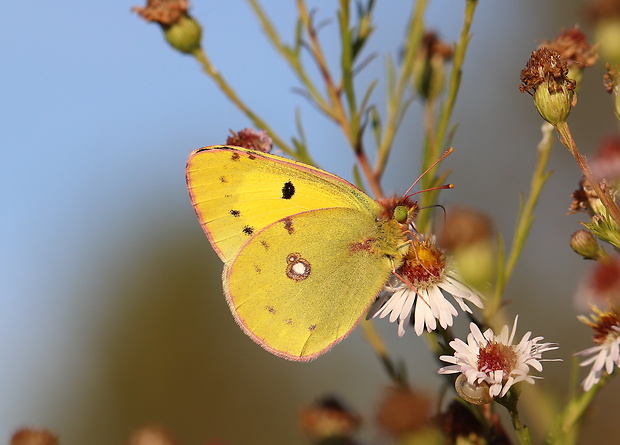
(305, 252)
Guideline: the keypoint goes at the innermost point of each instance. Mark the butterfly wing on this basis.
(237, 192)
(302, 283)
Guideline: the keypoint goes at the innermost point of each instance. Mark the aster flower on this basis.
(493, 360)
(606, 354)
(418, 290)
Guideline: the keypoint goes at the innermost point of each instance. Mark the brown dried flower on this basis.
(252, 139)
(545, 77)
(27, 436)
(547, 68)
(328, 418)
(403, 411)
(610, 79)
(164, 12)
(603, 9)
(429, 69)
(151, 435)
(583, 198)
(573, 47)
(464, 227)
(181, 30)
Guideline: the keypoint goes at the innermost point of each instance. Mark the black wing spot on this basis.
(288, 190)
(312, 327)
(270, 309)
(248, 230)
(223, 179)
(235, 213)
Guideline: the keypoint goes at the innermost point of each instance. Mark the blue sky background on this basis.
(111, 313)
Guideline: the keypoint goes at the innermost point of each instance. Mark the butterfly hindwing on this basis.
(302, 283)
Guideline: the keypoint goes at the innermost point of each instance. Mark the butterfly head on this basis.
(400, 209)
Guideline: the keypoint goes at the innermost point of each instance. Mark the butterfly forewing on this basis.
(237, 192)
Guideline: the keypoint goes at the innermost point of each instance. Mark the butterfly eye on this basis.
(400, 214)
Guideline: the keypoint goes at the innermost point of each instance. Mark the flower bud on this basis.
(185, 35)
(585, 244)
(181, 31)
(429, 67)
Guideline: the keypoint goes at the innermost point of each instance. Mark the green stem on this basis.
(456, 73)
(212, 72)
(435, 144)
(397, 95)
(292, 56)
(510, 401)
(566, 429)
(526, 217)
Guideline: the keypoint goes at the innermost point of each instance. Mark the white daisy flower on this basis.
(493, 360)
(606, 355)
(418, 291)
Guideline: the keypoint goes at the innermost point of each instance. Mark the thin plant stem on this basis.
(378, 346)
(566, 429)
(456, 73)
(525, 220)
(435, 144)
(510, 402)
(395, 99)
(212, 72)
(292, 56)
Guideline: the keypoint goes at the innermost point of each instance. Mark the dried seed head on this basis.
(545, 77)
(181, 31)
(252, 139)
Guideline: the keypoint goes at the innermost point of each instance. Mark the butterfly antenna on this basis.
(441, 158)
(437, 205)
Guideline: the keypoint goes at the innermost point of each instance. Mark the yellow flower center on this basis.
(424, 265)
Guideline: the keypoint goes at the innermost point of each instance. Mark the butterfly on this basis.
(305, 252)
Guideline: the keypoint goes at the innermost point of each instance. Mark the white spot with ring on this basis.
(298, 268)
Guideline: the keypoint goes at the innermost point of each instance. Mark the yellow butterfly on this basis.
(305, 252)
